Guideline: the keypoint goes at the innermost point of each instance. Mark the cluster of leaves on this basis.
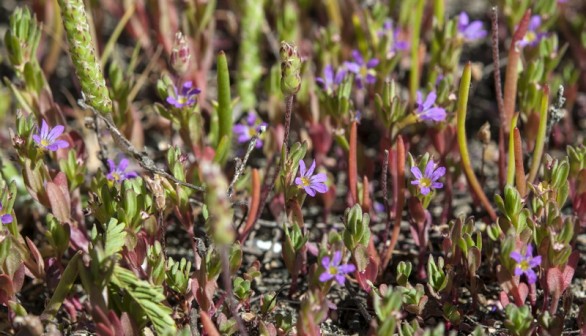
(86, 211)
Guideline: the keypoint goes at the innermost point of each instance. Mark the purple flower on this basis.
(47, 138)
(333, 269)
(245, 132)
(5, 218)
(118, 172)
(428, 180)
(397, 44)
(526, 263)
(364, 71)
(311, 184)
(184, 98)
(532, 37)
(425, 110)
(470, 30)
(330, 79)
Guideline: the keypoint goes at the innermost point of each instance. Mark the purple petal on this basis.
(6, 218)
(430, 100)
(302, 168)
(425, 190)
(340, 76)
(345, 269)
(311, 169)
(250, 119)
(437, 185)
(130, 175)
(535, 261)
(415, 182)
(55, 132)
(329, 74)
(326, 276)
(475, 31)
(401, 45)
(531, 276)
(111, 165)
(321, 83)
(60, 144)
(352, 67)
(416, 172)
(317, 178)
(320, 188)
(337, 258)
(171, 100)
(439, 172)
(516, 256)
(44, 130)
(518, 271)
(37, 139)
(436, 114)
(357, 57)
(419, 100)
(535, 22)
(325, 262)
(340, 279)
(463, 20)
(298, 181)
(123, 164)
(429, 168)
(372, 63)
(370, 79)
(309, 190)
(529, 251)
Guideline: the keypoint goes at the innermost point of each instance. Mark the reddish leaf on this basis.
(554, 282)
(60, 206)
(570, 269)
(523, 291)
(504, 298)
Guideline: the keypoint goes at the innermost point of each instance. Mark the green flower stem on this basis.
(461, 129)
(250, 69)
(439, 7)
(540, 140)
(84, 56)
(511, 158)
(414, 74)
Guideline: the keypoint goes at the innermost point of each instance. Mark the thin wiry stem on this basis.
(540, 140)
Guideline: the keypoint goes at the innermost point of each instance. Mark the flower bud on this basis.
(290, 69)
(180, 55)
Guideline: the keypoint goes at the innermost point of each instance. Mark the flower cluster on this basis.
(48, 138)
(333, 269)
(184, 98)
(397, 44)
(309, 182)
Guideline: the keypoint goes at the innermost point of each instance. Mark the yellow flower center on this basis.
(116, 176)
(44, 142)
(182, 100)
(524, 265)
(333, 270)
(425, 182)
(251, 131)
(530, 36)
(305, 182)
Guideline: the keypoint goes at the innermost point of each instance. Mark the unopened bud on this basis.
(180, 54)
(484, 133)
(290, 69)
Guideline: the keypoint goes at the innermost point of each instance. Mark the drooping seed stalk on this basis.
(540, 140)
(352, 164)
(499, 94)
(462, 141)
(84, 56)
(399, 201)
